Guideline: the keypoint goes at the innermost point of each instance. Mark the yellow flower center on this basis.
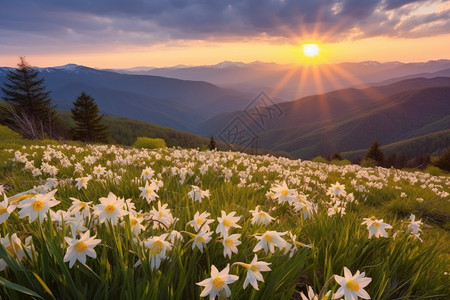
(2, 210)
(227, 223)
(229, 243)
(352, 286)
(133, 222)
(376, 224)
(10, 250)
(284, 193)
(83, 180)
(218, 283)
(268, 238)
(254, 269)
(82, 204)
(161, 214)
(200, 239)
(110, 208)
(38, 205)
(80, 246)
(148, 191)
(262, 214)
(156, 248)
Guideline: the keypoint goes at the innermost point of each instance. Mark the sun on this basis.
(311, 50)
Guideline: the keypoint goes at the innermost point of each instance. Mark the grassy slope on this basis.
(401, 268)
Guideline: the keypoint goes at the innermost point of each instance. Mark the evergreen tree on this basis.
(31, 110)
(375, 153)
(212, 144)
(89, 126)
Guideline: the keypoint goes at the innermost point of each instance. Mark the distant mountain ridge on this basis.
(350, 119)
(284, 82)
(180, 104)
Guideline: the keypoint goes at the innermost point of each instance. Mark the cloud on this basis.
(105, 23)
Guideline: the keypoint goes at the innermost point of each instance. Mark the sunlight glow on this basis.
(311, 50)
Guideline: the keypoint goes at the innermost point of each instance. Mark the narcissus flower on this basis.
(13, 246)
(336, 190)
(162, 216)
(158, 247)
(376, 227)
(201, 221)
(82, 182)
(269, 240)
(254, 270)
(260, 217)
(226, 221)
(352, 286)
(111, 209)
(230, 244)
(314, 296)
(217, 283)
(148, 192)
(147, 173)
(5, 209)
(282, 193)
(201, 239)
(78, 249)
(37, 206)
(197, 194)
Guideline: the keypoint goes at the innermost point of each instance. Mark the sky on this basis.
(158, 33)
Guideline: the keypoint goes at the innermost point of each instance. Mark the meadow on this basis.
(110, 222)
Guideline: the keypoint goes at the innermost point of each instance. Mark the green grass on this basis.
(400, 267)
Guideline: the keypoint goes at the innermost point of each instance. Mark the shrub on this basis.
(443, 162)
(368, 163)
(8, 134)
(342, 162)
(319, 159)
(149, 143)
(435, 171)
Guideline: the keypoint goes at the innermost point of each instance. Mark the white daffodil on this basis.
(197, 194)
(269, 240)
(162, 217)
(227, 221)
(201, 239)
(158, 247)
(110, 209)
(217, 283)
(413, 225)
(282, 193)
(37, 206)
(352, 286)
(336, 190)
(314, 296)
(254, 270)
(80, 207)
(260, 217)
(82, 182)
(5, 209)
(376, 227)
(147, 173)
(230, 243)
(13, 246)
(148, 192)
(78, 249)
(201, 221)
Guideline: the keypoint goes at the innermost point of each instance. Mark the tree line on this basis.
(31, 113)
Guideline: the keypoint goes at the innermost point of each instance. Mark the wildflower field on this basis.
(106, 222)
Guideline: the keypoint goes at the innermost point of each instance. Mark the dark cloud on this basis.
(154, 21)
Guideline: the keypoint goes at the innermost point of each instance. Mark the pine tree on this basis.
(212, 144)
(89, 126)
(31, 109)
(375, 153)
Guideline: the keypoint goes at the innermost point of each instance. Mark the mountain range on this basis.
(339, 108)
